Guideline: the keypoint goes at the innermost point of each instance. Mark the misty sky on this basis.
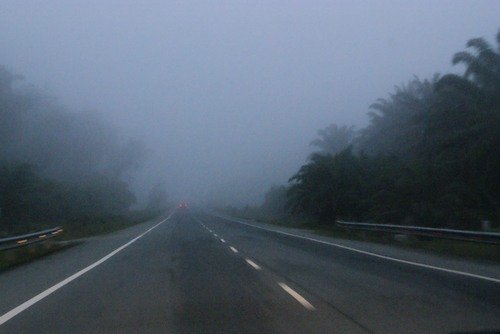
(227, 95)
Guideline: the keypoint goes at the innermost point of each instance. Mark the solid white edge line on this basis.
(233, 249)
(15, 311)
(417, 264)
(253, 264)
(297, 296)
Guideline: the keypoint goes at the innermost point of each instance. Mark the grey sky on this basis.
(228, 94)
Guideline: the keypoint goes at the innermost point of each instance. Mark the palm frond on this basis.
(463, 57)
(480, 45)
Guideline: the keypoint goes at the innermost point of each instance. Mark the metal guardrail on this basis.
(476, 236)
(27, 239)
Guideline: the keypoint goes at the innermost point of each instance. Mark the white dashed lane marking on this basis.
(284, 286)
(253, 264)
(297, 297)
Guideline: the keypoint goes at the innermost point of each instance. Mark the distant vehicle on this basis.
(182, 205)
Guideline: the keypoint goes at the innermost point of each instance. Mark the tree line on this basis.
(57, 165)
(429, 156)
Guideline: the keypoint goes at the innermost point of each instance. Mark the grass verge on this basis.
(90, 226)
(17, 256)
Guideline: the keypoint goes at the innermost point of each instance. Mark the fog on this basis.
(226, 96)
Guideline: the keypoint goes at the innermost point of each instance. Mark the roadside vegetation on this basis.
(60, 167)
(18, 256)
(89, 226)
(429, 157)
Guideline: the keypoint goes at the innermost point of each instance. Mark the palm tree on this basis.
(394, 128)
(482, 69)
(334, 139)
(463, 129)
(472, 101)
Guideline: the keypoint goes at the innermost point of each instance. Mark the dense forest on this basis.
(59, 166)
(429, 156)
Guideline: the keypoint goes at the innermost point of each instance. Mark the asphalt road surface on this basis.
(195, 272)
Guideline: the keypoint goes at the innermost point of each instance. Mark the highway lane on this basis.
(177, 278)
(382, 296)
(23, 282)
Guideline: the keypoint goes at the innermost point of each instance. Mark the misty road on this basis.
(197, 272)
(246, 167)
